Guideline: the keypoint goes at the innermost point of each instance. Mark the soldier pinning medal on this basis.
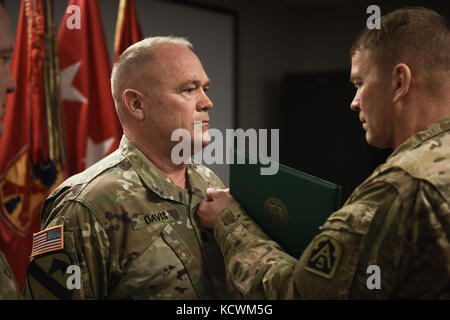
(390, 240)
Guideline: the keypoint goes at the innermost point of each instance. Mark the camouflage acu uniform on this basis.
(133, 233)
(398, 219)
(9, 290)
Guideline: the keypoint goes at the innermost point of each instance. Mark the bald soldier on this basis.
(398, 219)
(126, 224)
(8, 286)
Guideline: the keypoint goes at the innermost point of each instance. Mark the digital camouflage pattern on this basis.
(398, 219)
(133, 233)
(9, 290)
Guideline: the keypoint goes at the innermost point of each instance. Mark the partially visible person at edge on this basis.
(9, 290)
(399, 218)
(129, 220)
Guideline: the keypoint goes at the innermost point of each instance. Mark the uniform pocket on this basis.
(192, 265)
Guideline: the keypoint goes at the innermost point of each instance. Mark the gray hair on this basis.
(130, 64)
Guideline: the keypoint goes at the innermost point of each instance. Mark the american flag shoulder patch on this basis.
(47, 240)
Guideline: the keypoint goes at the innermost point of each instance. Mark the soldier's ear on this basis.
(133, 102)
(401, 79)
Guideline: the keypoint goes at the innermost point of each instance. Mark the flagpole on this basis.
(120, 15)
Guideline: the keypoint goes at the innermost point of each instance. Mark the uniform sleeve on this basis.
(9, 290)
(259, 269)
(81, 269)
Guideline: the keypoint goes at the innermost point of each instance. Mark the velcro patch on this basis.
(325, 257)
(149, 219)
(48, 240)
(47, 277)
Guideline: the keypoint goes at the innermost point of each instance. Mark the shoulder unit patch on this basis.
(324, 257)
(47, 277)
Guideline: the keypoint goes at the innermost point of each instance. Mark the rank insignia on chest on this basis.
(324, 257)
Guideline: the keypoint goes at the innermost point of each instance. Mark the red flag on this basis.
(30, 163)
(128, 30)
(91, 124)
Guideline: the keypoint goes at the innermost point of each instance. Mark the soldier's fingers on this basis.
(221, 193)
(211, 193)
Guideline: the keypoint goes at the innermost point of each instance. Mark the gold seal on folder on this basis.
(276, 209)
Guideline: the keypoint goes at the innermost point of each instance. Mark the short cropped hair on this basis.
(414, 35)
(131, 63)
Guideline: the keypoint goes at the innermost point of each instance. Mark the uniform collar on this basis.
(198, 184)
(416, 140)
(159, 183)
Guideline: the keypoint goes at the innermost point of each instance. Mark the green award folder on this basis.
(290, 206)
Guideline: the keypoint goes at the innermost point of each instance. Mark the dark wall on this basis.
(321, 135)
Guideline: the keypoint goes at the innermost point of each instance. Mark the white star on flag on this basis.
(68, 91)
(96, 151)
